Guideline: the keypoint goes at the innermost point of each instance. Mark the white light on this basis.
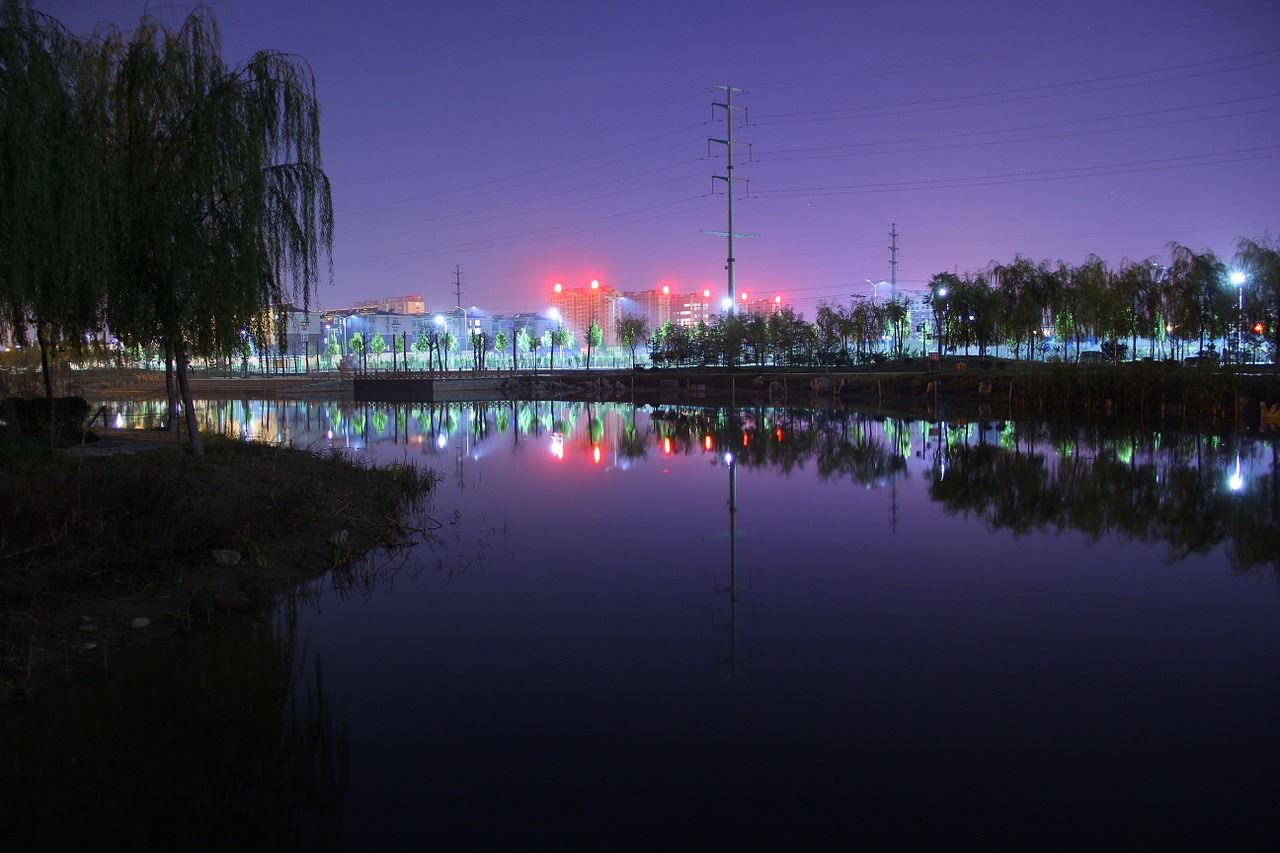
(441, 441)
(1237, 480)
(728, 459)
(726, 303)
(1237, 278)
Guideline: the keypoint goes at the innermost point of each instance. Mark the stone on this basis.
(226, 557)
(140, 622)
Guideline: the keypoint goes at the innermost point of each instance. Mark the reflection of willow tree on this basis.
(244, 753)
(1152, 488)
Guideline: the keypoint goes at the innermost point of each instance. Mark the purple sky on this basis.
(535, 142)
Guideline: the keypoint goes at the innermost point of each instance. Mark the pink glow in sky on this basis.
(529, 143)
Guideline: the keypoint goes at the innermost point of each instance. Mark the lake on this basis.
(680, 626)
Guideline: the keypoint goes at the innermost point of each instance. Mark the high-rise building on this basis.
(579, 306)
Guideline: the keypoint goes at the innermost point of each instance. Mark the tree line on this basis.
(149, 188)
(1179, 305)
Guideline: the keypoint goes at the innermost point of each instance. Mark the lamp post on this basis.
(1238, 279)
(938, 312)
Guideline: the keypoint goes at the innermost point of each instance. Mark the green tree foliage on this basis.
(377, 345)
(500, 342)
(633, 331)
(55, 206)
(146, 183)
(1260, 261)
(594, 338)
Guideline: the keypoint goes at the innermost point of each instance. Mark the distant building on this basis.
(578, 307)
(411, 304)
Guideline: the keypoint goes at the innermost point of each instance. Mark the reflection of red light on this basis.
(595, 454)
(744, 439)
(666, 445)
(706, 442)
(779, 433)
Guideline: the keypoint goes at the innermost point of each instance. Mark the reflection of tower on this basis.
(733, 568)
(893, 505)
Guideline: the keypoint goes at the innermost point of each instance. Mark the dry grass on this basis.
(89, 543)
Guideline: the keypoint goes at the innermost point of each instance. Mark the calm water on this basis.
(674, 627)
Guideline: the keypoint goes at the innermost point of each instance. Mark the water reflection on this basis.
(226, 740)
(1191, 491)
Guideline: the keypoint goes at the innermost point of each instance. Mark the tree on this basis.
(224, 211)
(941, 287)
(1260, 260)
(1196, 284)
(594, 338)
(355, 344)
(500, 346)
(633, 331)
(377, 346)
(448, 343)
(557, 337)
(55, 180)
(526, 340)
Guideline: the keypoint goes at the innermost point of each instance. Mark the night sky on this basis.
(529, 143)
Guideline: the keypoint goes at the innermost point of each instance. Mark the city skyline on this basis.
(528, 145)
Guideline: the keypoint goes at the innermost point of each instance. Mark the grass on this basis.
(101, 541)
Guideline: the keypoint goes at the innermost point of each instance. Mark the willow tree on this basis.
(224, 212)
(1261, 259)
(52, 181)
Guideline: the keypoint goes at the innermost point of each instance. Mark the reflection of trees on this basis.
(1151, 487)
(246, 753)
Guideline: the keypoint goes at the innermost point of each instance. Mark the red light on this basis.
(777, 300)
(558, 287)
(595, 284)
(666, 290)
(779, 434)
(706, 294)
(706, 442)
(744, 297)
(595, 453)
(1258, 328)
(666, 445)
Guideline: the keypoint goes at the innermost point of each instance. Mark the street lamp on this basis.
(938, 311)
(1238, 279)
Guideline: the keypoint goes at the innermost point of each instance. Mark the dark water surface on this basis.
(696, 627)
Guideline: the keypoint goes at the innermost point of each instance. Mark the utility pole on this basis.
(728, 178)
(893, 260)
(461, 317)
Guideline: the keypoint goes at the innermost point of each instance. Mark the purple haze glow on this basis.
(529, 143)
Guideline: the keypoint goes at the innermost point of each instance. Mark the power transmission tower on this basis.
(457, 285)
(893, 260)
(728, 178)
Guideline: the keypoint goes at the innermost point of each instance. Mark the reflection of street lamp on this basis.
(1237, 479)
(1238, 279)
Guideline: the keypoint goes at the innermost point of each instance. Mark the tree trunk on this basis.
(193, 428)
(46, 369)
(170, 388)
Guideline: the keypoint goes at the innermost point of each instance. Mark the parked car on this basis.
(1091, 357)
